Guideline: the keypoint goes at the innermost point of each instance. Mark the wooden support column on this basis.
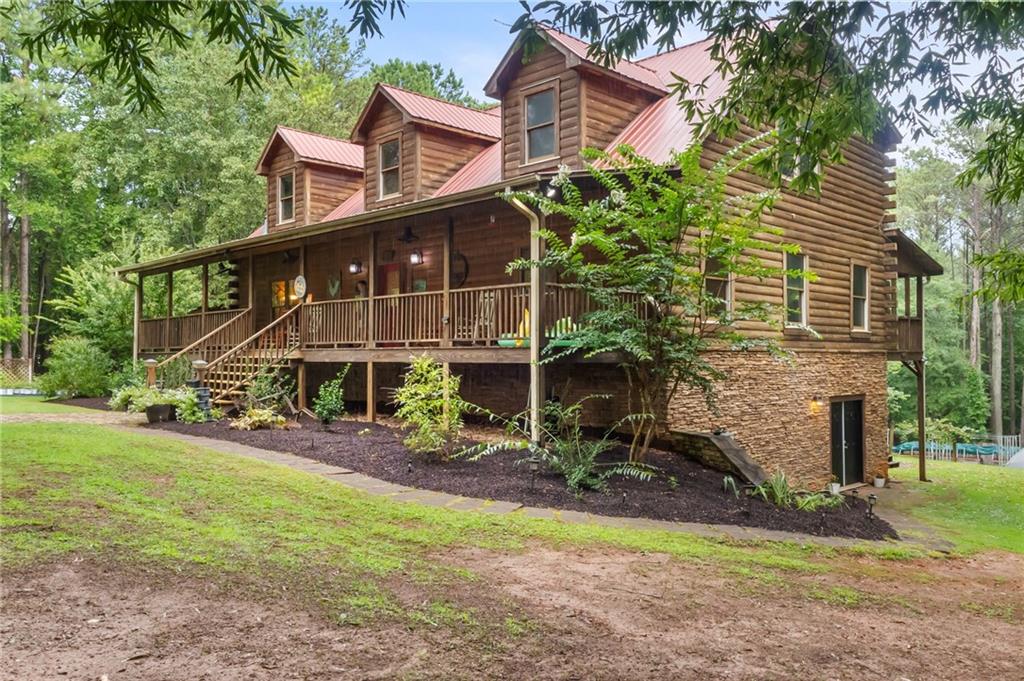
(170, 310)
(371, 393)
(446, 320)
(206, 295)
(921, 434)
(371, 328)
(536, 331)
(250, 303)
(301, 387)
(137, 321)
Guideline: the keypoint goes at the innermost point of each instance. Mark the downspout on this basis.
(536, 328)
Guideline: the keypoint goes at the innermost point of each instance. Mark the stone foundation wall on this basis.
(768, 405)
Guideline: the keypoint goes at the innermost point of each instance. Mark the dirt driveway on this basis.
(569, 614)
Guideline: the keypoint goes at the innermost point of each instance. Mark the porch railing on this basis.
(489, 314)
(909, 335)
(334, 323)
(168, 334)
(409, 319)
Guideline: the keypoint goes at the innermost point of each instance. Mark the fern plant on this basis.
(567, 451)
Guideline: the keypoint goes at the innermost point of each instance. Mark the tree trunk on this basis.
(23, 270)
(996, 368)
(1011, 344)
(974, 339)
(6, 232)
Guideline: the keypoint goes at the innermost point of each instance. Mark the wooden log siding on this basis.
(387, 125)
(840, 227)
(440, 155)
(327, 188)
(607, 107)
(283, 162)
(547, 66)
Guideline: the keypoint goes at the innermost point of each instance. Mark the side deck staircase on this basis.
(234, 360)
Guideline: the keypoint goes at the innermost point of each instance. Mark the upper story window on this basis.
(796, 290)
(286, 197)
(717, 287)
(859, 310)
(390, 158)
(540, 125)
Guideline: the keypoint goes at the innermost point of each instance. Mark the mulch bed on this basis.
(696, 496)
(86, 402)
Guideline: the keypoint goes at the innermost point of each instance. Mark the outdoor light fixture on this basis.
(872, 500)
(416, 257)
(356, 266)
(408, 236)
(551, 192)
(534, 467)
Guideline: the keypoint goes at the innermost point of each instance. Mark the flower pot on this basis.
(879, 482)
(156, 413)
(833, 488)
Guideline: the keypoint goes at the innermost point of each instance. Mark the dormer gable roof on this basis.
(432, 112)
(313, 147)
(577, 55)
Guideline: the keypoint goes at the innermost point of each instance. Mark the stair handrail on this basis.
(241, 346)
(188, 348)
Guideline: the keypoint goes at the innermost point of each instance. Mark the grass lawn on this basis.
(977, 507)
(208, 562)
(30, 404)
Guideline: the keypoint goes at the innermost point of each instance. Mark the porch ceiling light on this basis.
(408, 236)
(416, 257)
(356, 266)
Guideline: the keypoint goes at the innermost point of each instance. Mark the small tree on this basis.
(329, 404)
(645, 251)
(429, 402)
(76, 367)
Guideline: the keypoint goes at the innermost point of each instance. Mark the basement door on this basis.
(848, 441)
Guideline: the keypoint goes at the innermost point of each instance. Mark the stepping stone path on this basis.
(911, 531)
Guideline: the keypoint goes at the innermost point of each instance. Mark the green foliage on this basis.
(818, 500)
(76, 367)
(256, 418)
(776, 490)
(937, 430)
(329, 404)
(272, 388)
(1004, 275)
(729, 485)
(10, 319)
(96, 305)
(131, 373)
(639, 254)
(175, 373)
(130, 397)
(566, 450)
(429, 402)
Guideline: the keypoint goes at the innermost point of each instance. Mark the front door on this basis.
(848, 441)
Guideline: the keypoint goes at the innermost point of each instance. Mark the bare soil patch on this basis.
(87, 402)
(685, 491)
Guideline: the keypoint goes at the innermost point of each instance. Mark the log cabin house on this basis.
(396, 242)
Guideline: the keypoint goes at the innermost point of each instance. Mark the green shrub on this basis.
(76, 367)
(429, 402)
(272, 388)
(329, 404)
(129, 397)
(255, 418)
(175, 373)
(776, 490)
(812, 502)
(567, 451)
(130, 374)
(136, 398)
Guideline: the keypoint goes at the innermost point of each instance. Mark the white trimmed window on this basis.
(390, 161)
(796, 290)
(540, 125)
(286, 197)
(859, 311)
(717, 286)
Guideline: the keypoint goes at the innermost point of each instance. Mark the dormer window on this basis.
(389, 160)
(540, 125)
(286, 197)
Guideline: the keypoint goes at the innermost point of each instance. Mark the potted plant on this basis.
(158, 404)
(879, 481)
(834, 486)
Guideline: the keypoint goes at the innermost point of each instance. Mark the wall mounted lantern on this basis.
(356, 266)
(416, 257)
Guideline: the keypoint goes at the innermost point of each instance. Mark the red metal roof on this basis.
(628, 69)
(482, 170)
(312, 146)
(424, 109)
(351, 206)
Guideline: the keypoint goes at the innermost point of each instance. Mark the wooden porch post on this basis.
(205, 303)
(371, 331)
(919, 366)
(301, 387)
(137, 321)
(249, 299)
(170, 310)
(446, 320)
(536, 331)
